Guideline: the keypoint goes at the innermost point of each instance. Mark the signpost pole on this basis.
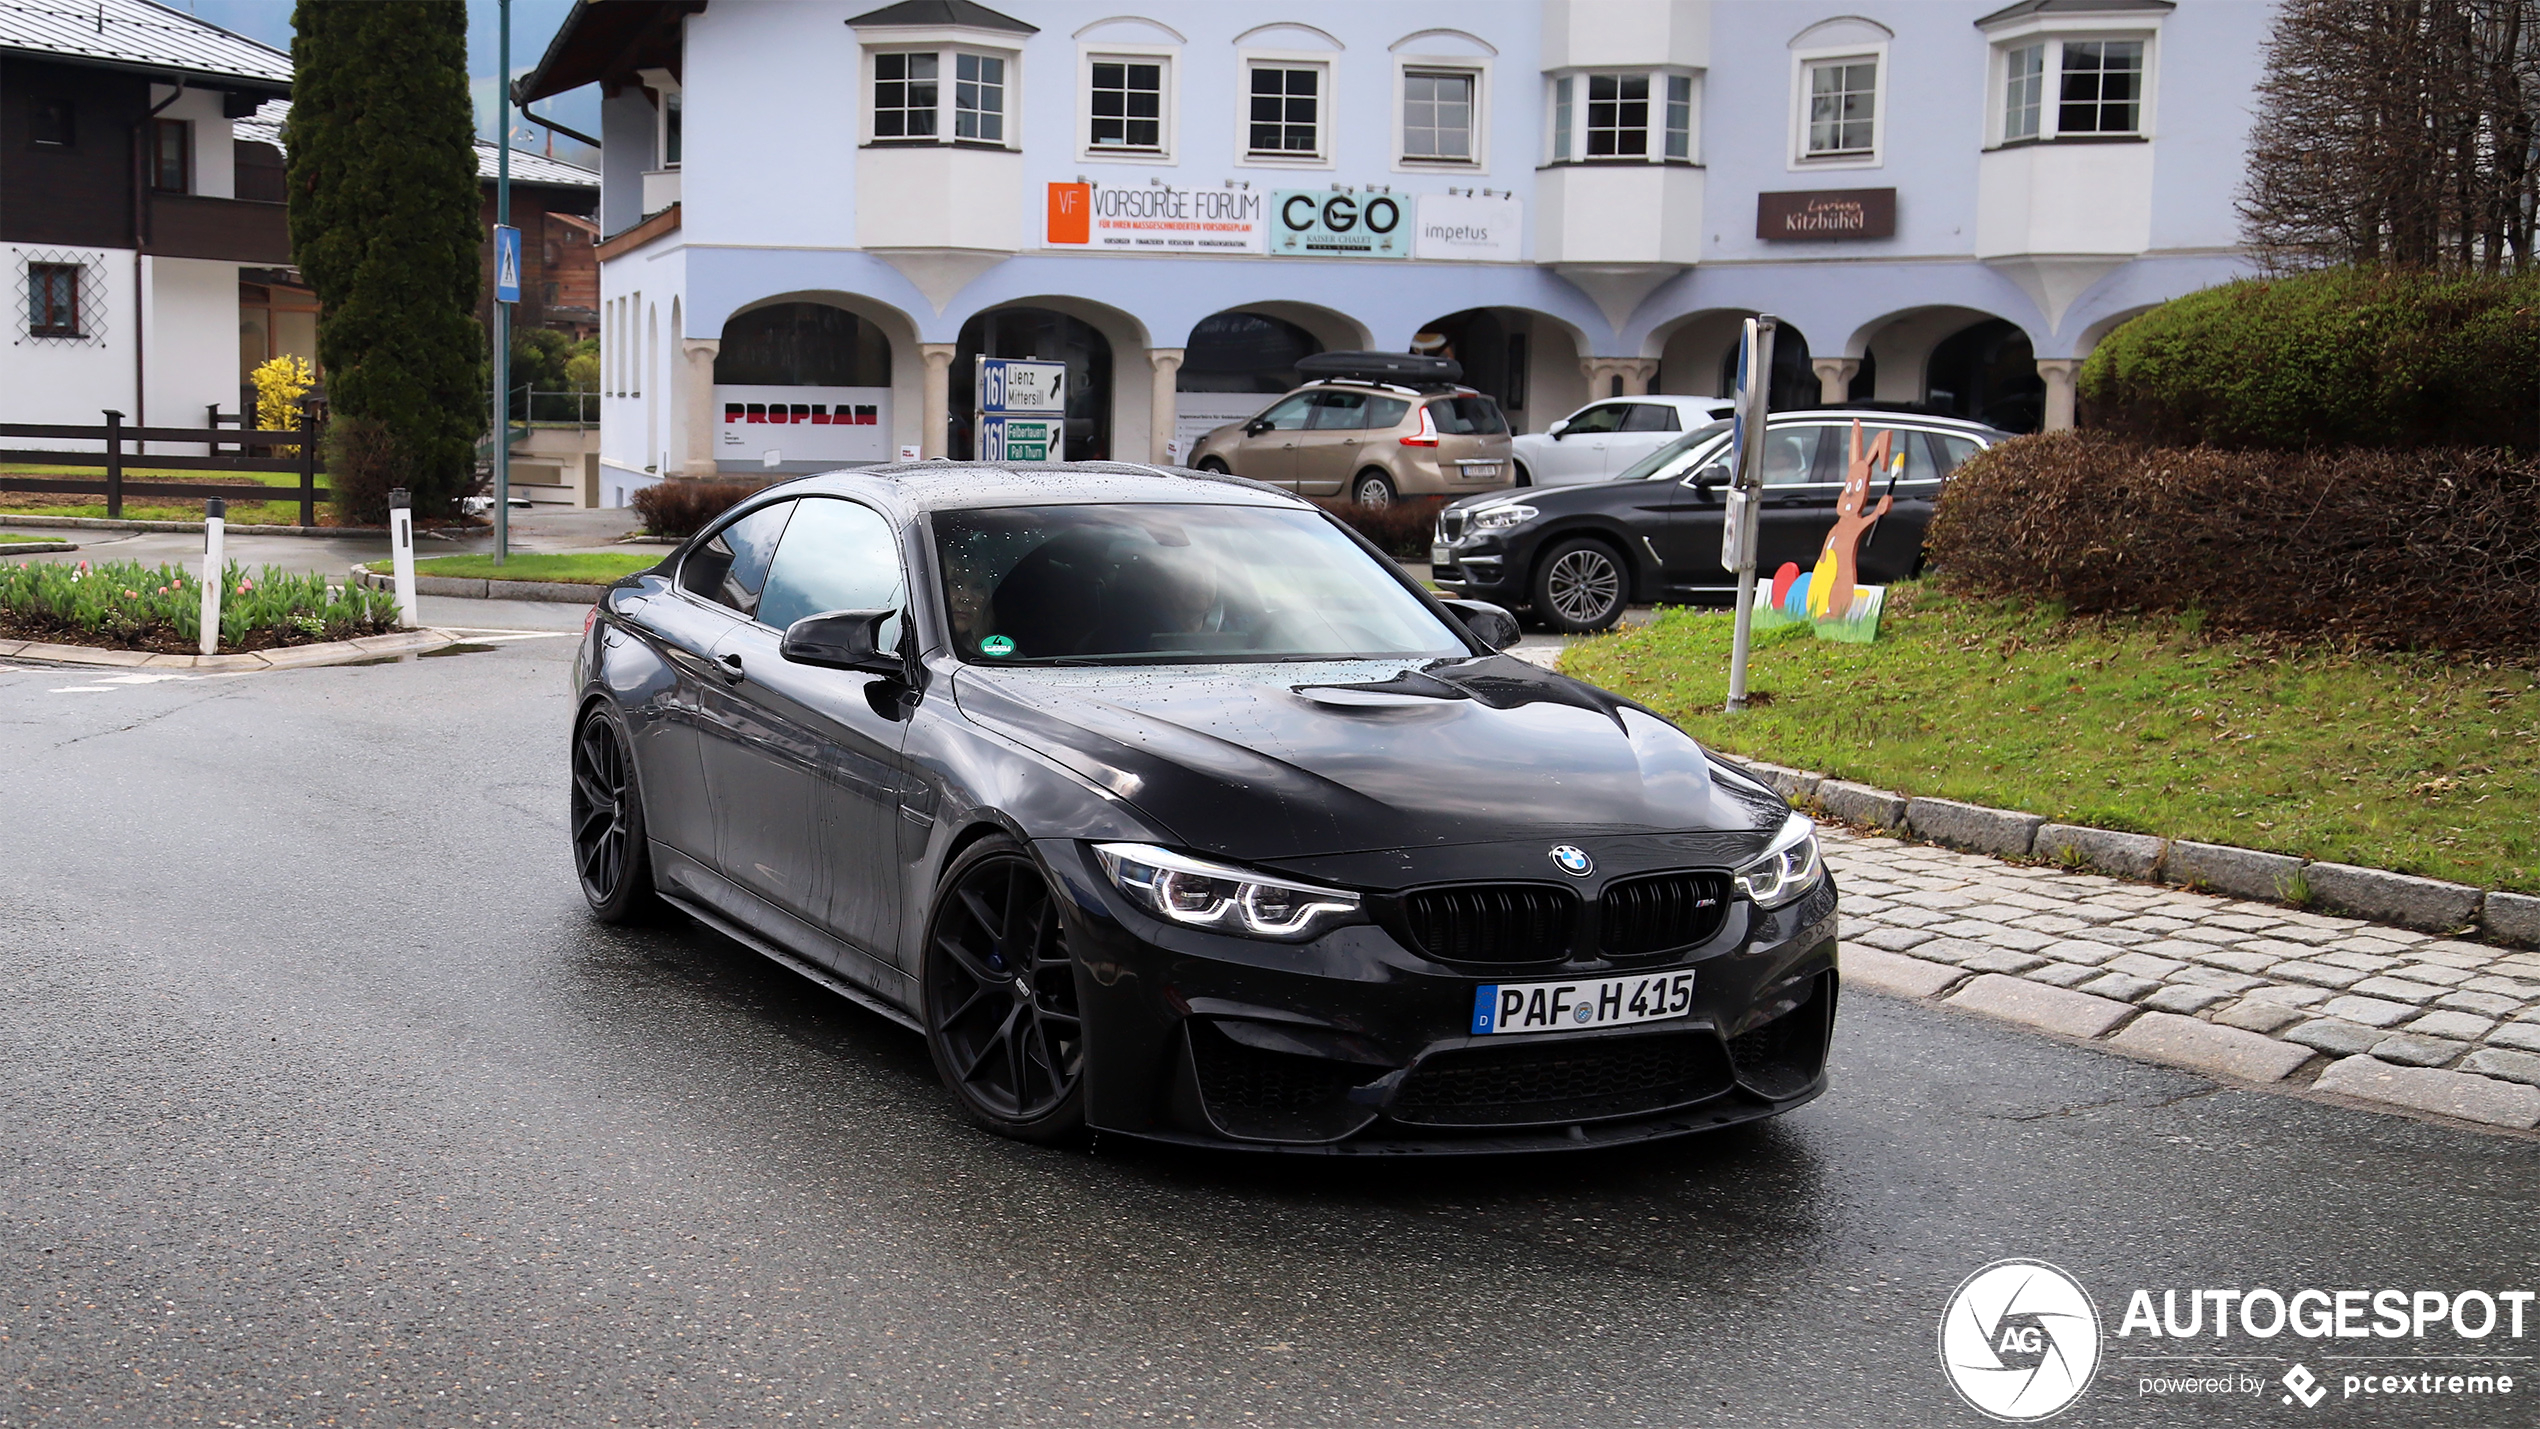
(502, 306)
(215, 520)
(1746, 480)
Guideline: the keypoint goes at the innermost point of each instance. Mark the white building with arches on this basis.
(815, 215)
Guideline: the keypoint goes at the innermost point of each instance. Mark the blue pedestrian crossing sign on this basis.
(506, 264)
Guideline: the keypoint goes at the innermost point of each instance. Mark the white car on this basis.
(1597, 441)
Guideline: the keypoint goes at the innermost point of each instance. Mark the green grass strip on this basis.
(2416, 763)
(576, 568)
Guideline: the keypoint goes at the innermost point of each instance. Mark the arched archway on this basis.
(1233, 363)
(1697, 357)
(801, 383)
(1526, 361)
(1051, 336)
(1988, 372)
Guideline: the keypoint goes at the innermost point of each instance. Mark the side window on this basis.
(1908, 454)
(729, 567)
(1650, 417)
(1339, 411)
(1790, 456)
(1954, 450)
(836, 555)
(1603, 417)
(1288, 416)
(1386, 413)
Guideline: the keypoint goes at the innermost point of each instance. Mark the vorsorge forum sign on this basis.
(1298, 223)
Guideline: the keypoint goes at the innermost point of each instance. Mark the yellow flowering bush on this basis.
(280, 384)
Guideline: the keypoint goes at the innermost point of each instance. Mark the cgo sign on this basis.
(1330, 224)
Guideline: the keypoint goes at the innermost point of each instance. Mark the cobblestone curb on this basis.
(2426, 905)
(33, 548)
(2239, 990)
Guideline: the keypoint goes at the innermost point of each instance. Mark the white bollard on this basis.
(401, 542)
(215, 516)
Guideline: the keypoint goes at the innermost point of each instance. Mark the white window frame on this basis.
(1473, 67)
(948, 47)
(1659, 77)
(1005, 95)
(1169, 137)
(1322, 62)
(2053, 37)
(1802, 63)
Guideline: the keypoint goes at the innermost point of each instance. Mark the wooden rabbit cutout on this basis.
(1839, 565)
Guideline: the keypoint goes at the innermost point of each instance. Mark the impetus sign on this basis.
(1154, 218)
(1325, 223)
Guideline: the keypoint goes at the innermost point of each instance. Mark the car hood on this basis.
(1284, 761)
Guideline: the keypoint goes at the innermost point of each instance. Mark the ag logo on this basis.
(1573, 860)
(2019, 1341)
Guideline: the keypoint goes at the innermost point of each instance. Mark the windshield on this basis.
(1677, 458)
(1149, 584)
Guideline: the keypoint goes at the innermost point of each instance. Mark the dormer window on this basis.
(927, 81)
(1622, 116)
(2078, 73)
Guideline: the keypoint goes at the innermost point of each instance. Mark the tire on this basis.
(1580, 585)
(1371, 489)
(611, 857)
(1212, 464)
(998, 997)
(1524, 477)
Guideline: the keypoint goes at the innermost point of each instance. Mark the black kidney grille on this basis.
(1490, 922)
(1562, 1081)
(1641, 916)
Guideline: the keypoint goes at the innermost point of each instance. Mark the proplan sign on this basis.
(1155, 218)
(1825, 215)
(1322, 223)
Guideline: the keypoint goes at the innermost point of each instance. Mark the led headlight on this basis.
(1788, 869)
(1501, 518)
(1202, 894)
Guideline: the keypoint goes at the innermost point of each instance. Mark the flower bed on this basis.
(125, 605)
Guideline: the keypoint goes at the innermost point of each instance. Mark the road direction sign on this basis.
(1022, 387)
(1020, 438)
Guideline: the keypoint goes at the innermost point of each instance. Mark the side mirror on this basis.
(842, 640)
(1556, 429)
(1490, 625)
(1709, 479)
(1255, 427)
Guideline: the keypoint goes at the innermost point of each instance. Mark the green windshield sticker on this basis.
(996, 645)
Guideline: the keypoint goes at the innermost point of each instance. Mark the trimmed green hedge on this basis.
(2341, 357)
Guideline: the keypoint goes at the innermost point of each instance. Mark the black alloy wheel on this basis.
(609, 850)
(1213, 465)
(1372, 489)
(1579, 587)
(1000, 997)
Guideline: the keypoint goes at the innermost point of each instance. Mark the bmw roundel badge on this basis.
(1573, 860)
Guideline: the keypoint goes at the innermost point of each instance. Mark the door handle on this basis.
(730, 667)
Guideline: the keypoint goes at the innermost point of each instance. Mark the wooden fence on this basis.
(117, 438)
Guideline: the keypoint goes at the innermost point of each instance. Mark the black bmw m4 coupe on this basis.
(1163, 805)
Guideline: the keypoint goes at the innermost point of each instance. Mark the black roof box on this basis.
(1408, 368)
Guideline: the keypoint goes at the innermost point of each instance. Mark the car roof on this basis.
(912, 487)
(1398, 389)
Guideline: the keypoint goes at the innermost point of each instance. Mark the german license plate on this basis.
(1441, 556)
(1579, 1006)
(1479, 470)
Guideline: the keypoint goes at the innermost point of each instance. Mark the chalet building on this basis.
(819, 206)
(133, 222)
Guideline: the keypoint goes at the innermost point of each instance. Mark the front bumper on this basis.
(1356, 1044)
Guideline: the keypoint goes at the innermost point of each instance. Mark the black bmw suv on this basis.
(1578, 554)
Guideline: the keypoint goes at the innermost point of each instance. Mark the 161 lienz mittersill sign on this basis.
(1825, 214)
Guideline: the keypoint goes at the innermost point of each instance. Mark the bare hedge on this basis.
(2435, 548)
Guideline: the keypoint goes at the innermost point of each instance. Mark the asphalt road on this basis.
(321, 1101)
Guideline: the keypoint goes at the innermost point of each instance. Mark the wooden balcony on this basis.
(228, 229)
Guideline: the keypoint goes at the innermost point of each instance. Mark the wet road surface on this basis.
(322, 1102)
